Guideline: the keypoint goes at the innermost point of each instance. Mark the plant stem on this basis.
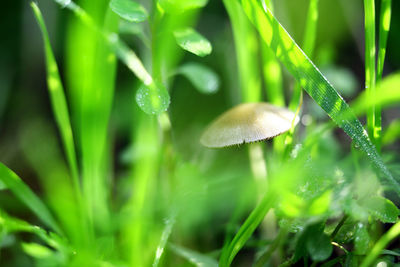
(393, 232)
(247, 49)
(272, 247)
(370, 71)
(384, 27)
(337, 228)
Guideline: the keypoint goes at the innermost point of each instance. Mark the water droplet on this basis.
(153, 99)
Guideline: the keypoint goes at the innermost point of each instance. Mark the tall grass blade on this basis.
(26, 196)
(169, 224)
(393, 232)
(247, 52)
(247, 229)
(58, 101)
(384, 27)
(370, 70)
(313, 82)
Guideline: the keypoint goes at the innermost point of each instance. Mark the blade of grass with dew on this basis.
(194, 257)
(370, 70)
(393, 232)
(246, 230)
(26, 196)
(59, 103)
(246, 46)
(313, 82)
(169, 224)
(91, 66)
(384, 27)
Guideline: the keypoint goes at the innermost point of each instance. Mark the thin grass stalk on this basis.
(247, 52)
(310, 35)
(370, 70)
(59, 104)
(272, 72)
(384, 28)
(393, 232)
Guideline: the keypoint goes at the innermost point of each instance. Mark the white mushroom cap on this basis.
(246, 123)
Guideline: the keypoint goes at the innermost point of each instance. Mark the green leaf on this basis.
(203, 78)
(192, 41)
(178, 6)
(26, 196)
(129, 10)
(361, 240)
(36, 250)
(382, 208)
(313, 82)
(194, 257)
(319, 247)
(153, 99)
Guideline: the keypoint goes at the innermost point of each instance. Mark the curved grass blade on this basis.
(312, 80)
(58, 101)
(247, 229)
(26, 196)
(393, 232)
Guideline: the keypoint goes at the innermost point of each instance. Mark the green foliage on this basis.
(129, 10)
(192, 41)
(135, 188)
(204, 79)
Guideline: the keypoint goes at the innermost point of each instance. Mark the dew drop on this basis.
(153, 99)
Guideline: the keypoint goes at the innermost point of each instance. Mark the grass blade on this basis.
(393, 232)
(169, 224)
(246, 47)
(58, 101)
(313, 82)
(370, 71)
(26, 196)
(247, 229)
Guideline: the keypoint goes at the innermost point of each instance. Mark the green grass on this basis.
(115, 176)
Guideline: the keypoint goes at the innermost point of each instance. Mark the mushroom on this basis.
(247, 123)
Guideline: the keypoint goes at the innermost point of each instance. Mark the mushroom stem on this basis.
(258, 167)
